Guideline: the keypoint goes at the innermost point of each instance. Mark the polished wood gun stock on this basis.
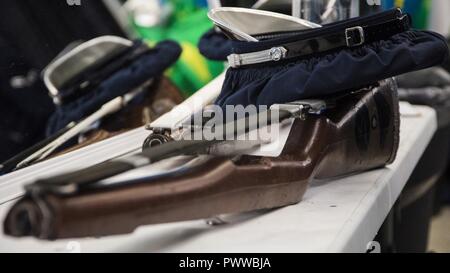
(360, 132)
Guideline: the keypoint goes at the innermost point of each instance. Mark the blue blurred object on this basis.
(418, 9)
(202, 3)
(409, 6)
(215, 45)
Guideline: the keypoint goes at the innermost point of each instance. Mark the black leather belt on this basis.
(332, 39)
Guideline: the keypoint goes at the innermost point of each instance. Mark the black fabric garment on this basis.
(446, 64)
(215, 45)
(24, 109)
(32, 33)
(150, 65)
(431, 87)
(432, 96)
(41, 29)
(431, 77)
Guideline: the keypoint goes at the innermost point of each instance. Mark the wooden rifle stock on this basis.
(360, 133)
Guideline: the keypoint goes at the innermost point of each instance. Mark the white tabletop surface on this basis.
(337, 216)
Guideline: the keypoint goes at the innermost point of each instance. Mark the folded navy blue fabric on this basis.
(215, 45)
(148, 66)
(332, 72)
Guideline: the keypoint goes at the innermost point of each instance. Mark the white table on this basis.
(338, 216)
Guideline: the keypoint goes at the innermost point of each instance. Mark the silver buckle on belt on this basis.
(234, 60)
(350, 39)
(273, 54)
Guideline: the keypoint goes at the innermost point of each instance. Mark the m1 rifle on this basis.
(355, 132)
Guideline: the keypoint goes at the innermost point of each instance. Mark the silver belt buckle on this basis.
(349, 39)
(234, 60)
